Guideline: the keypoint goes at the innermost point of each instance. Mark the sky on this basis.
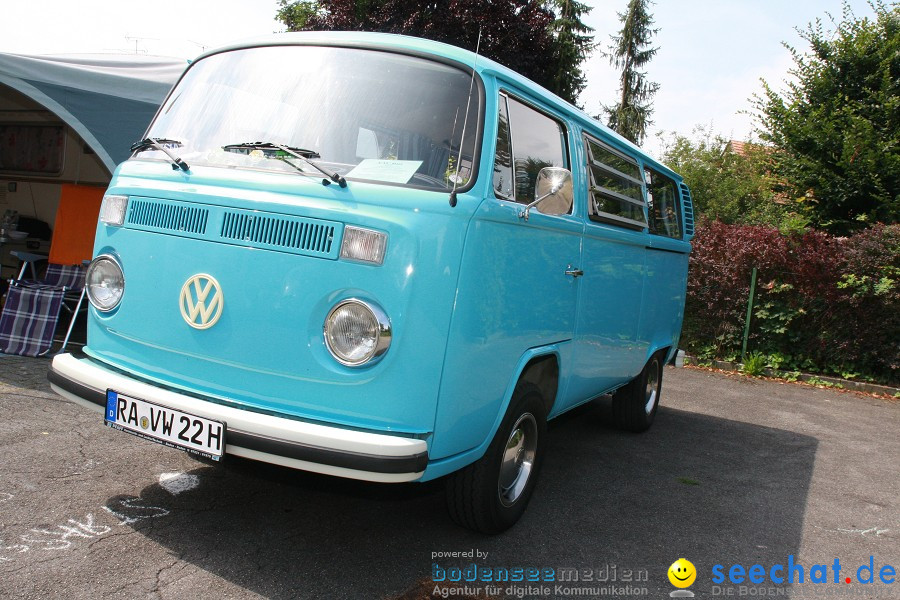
(712, 53)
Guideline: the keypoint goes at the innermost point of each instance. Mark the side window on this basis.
(503, 171)
(662, 205)
(527, 142)
(617, 194)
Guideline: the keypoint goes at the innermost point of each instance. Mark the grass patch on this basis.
(754, 364)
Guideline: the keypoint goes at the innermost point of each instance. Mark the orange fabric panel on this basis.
(76, 224)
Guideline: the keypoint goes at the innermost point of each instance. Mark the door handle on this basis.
(574, 272)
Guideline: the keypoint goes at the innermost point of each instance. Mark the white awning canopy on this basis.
(108, 100)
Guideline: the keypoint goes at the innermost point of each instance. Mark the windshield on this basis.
(367, 115)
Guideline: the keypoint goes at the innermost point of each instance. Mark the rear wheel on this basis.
(491, 494)
(635, 404)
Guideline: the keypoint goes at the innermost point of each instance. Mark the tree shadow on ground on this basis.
(709, 489)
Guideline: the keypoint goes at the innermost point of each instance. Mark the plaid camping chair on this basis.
(31, 313)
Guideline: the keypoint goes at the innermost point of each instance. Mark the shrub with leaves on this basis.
(824, 304)
(835, 126)
(865, 330)
(726, 186)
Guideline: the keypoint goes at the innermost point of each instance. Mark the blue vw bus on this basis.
(382, 258)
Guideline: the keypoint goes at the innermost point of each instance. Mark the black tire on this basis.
(487, 498)
(636, 403)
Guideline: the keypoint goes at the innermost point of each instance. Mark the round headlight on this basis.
(357, 332)
(104, 283)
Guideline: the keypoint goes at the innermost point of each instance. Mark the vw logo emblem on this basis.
(201, 301)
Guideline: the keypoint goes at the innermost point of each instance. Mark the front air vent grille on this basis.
(306, 236)
(236, 226)
(167, 216)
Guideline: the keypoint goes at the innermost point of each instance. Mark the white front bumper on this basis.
(288, 442)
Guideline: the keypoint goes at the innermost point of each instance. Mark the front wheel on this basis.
(491, 494)
(635, 404)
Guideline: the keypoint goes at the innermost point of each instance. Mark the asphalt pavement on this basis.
(735, 472)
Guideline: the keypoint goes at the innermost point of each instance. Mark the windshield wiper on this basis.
(157, 144)
(298, 153)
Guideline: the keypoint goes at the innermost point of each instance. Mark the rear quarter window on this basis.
(663, 205)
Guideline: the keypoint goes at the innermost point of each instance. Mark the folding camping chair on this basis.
(31, 313)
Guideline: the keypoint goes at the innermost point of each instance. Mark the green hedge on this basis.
(823, 304)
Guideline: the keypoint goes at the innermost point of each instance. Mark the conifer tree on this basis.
(572, 45)
(630, 52)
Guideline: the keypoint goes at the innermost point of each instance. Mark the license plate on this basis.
(166, 426)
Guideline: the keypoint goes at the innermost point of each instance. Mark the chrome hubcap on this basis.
(652, 390)
(518, 459)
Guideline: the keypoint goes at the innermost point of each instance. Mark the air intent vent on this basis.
(167, 216)
(688, 210)
(279, 232)
(236, 226)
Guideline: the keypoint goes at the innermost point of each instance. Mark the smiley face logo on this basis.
(682, 573)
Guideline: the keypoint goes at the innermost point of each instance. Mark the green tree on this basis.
(837, 125)
(630, 52)
(572, 44)
(728, 185)
(544, 40)
(295, 15)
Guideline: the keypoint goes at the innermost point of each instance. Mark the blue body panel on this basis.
(513, 295)
(267, 351)
(474, 292)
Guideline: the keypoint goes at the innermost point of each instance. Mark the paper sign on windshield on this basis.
(391, 171)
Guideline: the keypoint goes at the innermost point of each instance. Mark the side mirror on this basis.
(553, 192)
